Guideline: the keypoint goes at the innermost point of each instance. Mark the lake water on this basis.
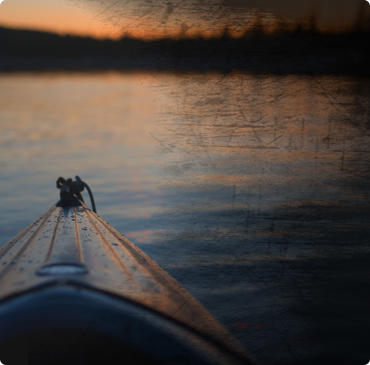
(252, 191)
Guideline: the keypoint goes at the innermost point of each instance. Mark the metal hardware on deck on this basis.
(70, 190)
(65, 195)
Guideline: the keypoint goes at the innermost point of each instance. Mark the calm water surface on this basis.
(252, 191)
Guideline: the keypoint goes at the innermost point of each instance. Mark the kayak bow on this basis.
(79, 292)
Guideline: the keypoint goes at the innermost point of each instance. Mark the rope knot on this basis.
(69, 188)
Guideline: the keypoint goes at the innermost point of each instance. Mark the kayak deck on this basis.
(71, 248)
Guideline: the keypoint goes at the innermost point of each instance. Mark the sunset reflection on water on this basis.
(97, 126)
(251, 190)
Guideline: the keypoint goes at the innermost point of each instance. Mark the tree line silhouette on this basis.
(283, 47)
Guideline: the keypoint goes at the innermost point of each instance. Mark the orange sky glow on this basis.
(72, 17)
(113, 19)
(67, 17)
(58, 16)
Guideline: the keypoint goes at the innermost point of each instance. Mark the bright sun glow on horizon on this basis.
(55, 16)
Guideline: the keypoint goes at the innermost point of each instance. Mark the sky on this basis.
(61, 16)
(143, 18)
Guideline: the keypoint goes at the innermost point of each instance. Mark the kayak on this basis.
(77, 291)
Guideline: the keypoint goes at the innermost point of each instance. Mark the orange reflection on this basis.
(141, 236)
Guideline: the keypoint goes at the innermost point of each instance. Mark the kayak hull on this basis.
(78, 290)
